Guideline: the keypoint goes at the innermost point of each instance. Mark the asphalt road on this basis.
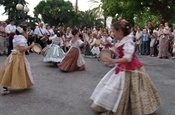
(58, 93)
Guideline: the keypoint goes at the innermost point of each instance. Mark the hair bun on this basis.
(124, 24)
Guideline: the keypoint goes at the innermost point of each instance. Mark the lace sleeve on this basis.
(53, 37)
(22, 42)
(80, 42)
(129, 49)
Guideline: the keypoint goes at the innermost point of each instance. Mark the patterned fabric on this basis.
(15, 74)
(54, 54)
(70, 61)
(139, 96)
(127, 92)
(163, 47)
(108, 92)
(2, 44)
(129, 54)
(73, 60)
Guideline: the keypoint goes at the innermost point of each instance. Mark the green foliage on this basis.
(142, 18)
(89, 19)
(55, 11)
(60, 11)
(10, 10)
(141, 9)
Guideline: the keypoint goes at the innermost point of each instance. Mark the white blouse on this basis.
(19, 40)
(10, 28)
(56, 40)
(77, 43)
(128, 48)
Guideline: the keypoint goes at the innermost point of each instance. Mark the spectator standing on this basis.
(138, 40)
(10, 30)
(3, 36)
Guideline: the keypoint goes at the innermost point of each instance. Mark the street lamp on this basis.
(26, 9)
(22, 8)
(19, 6)
(76, 5)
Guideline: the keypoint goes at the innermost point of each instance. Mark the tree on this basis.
(11, 11)
(89, 19)
(96, 7)
(10, 8)
(143, 17)
(130, 8)
(55, 11)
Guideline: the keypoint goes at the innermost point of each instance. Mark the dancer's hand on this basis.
(109, 60)
(32, 44)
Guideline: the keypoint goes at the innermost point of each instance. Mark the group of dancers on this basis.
(89, 43)
(125, 89)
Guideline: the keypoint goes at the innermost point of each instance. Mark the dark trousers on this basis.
(155, 48)
(10, 45)
(38, 40)
(145, 48)
(30, 40)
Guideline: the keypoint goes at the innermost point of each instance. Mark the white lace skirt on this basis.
(108, 92)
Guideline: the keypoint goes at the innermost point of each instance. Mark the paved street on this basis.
(57, 93)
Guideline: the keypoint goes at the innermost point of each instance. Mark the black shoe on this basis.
(4, 91)
(4, 53)
(165, 57)
(27, 53)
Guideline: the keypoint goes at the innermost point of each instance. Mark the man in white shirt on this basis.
(50, 33)
(40, 32)
(31, 36)
(10, 29)
(68, 36)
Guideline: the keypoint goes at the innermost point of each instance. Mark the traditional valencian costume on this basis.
(15, 72)
(126, 89)
(73, 60)
(55, 52)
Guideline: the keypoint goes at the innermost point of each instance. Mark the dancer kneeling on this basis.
(16, 72)
(73, 60)
(126, 89)
(55, 53)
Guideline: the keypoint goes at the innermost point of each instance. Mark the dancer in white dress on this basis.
(55, 53)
